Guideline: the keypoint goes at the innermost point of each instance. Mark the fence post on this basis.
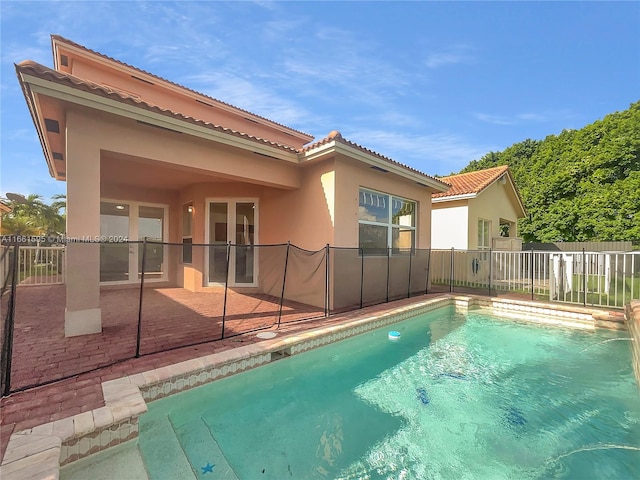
(388, 271)
(284, 281)
(361, 250)
(8, 328)
(490, 269)
(144, 261)
(409, 282)
(226, 286)
(327, 300)
(426, 285)
(451, 272)
(584, 278)
(531, 273)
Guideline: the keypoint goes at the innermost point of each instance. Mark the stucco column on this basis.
(82, 313)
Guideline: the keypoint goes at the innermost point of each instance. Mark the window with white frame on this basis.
(187, 233)
(484, 234)
(386, 221)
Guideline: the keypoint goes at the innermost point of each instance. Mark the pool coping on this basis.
(39, 452)
(632, 312)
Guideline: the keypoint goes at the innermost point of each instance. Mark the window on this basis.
(484, 234)
(386, 222)
(187, 233)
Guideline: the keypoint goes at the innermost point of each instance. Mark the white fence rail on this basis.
(40, 265)
(588, 278)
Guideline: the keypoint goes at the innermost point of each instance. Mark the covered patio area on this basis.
(170, 317)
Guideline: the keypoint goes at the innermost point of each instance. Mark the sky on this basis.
(433, 85)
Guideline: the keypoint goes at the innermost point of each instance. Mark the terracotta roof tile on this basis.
(34, 68)
(336, 136)
(472, 182)
(93, 52)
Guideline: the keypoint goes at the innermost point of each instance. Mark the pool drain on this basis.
(266, 335)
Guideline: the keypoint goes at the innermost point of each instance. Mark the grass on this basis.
(37, 271)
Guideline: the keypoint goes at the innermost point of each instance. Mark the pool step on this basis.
(203, 451)
(162, 453)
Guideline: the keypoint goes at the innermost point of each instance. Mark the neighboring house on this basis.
(480, 211)
(4, 208)
(145, 157)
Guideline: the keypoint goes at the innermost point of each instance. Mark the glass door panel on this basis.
(244, 250)
(114, 257)
(218, 235)
(151, 226)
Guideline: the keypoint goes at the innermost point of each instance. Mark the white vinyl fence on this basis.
(588, 278)
(40, 265)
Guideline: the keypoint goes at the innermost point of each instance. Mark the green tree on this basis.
(34, 217)
(579, 185)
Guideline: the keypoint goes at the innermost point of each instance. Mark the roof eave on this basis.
(109, 105)
(37, 121)
(372, 160)
(464, 196)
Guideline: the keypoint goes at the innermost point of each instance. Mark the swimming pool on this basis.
(458, 396)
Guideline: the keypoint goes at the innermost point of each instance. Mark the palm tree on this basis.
(19, 226)
(33, 217)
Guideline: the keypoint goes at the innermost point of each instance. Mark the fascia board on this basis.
(348, 151)
(317, 152)
(465, 196)
(396, 169)
(80, 97)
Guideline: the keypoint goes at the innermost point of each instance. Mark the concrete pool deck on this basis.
(74, 418)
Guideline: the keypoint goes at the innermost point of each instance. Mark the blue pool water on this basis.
(457, 397)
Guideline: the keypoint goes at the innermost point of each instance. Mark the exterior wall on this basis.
(492, 204)
(310, 205)
(123, 136)
(449, 225)
(304, 216)
(345, 266)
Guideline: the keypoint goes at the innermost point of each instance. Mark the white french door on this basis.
(232, 221)
(120, 222)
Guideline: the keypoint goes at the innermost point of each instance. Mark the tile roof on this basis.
(33, 68)
(472, 182)
(66, 41)
(336, 136)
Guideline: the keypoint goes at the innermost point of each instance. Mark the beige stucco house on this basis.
(479, 212)
(145, 157)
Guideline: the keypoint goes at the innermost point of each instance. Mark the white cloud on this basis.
(21, 134)
(451, 56)
(434, 154)
(495, 119)
(537, 117)
(249, 96)
(520, 118)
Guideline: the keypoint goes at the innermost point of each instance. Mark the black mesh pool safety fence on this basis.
(8, 269)
(152, 297)
(361, 279)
